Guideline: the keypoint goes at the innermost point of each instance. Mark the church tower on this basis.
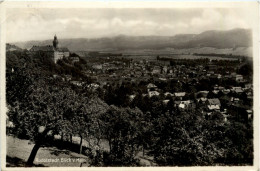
(55, 42)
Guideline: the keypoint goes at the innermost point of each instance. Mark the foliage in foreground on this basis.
(42, 107)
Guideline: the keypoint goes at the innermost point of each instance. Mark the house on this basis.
(9, 124)
(151, 86)
(74, 59)
(179, 94)
(165, 68)
(249, 94)
(144, 95)
(202, 93)
(153, 93)
(213, 107)
(219, 76)
(248, 86)
(233, 74)
(237, 90)
(184, 104)
(216, 87)
(211, 73)
(239, 78)
(225, 117)
(68, 77)
(213, 67)
(138, 73)
(225, 100)
(177, 103)
(215, 91)
(213, 104)
(77, 83)
(249, 114)
(162, 79)
(168, 94)
(226, 91)
(165, 102)
(221, 88)
(224, 112)
(202, 100)
(235, 100)
(214, 101)
(131, 97)
(156, 70)
(93, 86)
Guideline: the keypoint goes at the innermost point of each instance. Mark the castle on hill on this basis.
(54, 50)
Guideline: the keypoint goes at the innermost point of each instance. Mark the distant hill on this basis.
(222, 39)
(216, 39)
(10, 47)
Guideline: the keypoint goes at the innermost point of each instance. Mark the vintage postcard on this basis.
(138, 85)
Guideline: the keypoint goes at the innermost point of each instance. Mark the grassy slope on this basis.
(18, 152)
(21, 149)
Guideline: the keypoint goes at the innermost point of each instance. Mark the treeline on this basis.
(42, 64)
(196, 62)
(103, 54)
(219, 55)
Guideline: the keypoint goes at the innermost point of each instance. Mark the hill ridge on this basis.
(212, 38)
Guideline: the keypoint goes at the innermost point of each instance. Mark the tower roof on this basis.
(55, 42)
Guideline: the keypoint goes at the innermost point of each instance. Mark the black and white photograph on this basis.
(153, 86)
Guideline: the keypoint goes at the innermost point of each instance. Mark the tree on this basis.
(95, 109)
(122, 130)
(240, 150)
(184, 140)
(49, 107)
(246, 69)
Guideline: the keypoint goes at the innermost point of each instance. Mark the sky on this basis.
(44, 23)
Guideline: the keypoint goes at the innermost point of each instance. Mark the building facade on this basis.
(55, 52)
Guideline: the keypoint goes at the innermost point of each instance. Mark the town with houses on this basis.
(222, 98)
(231, 95)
